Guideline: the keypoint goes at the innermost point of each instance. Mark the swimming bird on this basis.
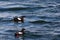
(20, 33)
(19, 19)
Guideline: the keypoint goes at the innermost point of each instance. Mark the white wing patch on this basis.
(20, 32)
(19, 18)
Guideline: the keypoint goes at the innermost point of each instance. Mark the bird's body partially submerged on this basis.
(20, 33)
(19, 19)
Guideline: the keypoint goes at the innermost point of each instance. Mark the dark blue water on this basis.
(42, 21)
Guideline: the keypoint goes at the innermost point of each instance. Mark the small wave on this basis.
(20, 8)
(11, 31)
(58, 6)
(12, 9)
(5, 19)
(42, 22)
(54, 10)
